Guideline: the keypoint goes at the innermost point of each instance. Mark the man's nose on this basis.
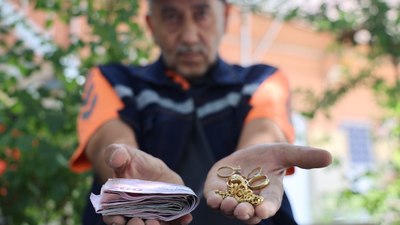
(190, 33)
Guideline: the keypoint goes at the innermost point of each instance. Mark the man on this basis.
(183, 117)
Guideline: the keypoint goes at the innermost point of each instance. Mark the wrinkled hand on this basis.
(128, 162)
(274, 159)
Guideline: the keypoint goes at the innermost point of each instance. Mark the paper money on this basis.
(144, 199)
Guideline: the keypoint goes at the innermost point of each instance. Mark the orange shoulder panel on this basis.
(100, 104)
(271, 101)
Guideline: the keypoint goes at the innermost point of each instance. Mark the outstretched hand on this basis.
(274, 160)
(128, 162)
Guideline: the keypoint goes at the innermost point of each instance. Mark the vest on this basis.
(161, 112)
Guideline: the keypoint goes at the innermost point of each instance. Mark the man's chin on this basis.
(191, 72)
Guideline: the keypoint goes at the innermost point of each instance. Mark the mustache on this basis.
(196, 48)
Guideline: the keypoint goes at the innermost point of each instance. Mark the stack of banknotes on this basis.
(144, 199)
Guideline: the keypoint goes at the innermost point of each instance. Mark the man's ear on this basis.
(149, 23)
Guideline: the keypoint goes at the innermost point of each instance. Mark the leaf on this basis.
(48, 135)
(24, 143)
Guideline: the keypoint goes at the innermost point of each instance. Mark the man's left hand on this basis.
(273, 160)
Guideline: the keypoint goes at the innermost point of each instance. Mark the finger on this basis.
(213, 200)
(304, 157)
(244, 211)
(184, 220)
(114, 220)
(117, 157)
(128, 162)
(135, 221)
(228, 205)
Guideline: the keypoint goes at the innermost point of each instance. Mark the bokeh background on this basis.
(342, 59)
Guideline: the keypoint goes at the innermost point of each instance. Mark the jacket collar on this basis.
(220, 73)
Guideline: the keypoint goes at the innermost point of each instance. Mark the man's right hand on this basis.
(129, 162)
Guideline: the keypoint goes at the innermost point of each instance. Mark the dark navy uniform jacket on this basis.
(161, 108)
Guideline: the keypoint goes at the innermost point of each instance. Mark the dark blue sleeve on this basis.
(122, 80)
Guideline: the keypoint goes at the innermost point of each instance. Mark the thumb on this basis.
(117, 158)
(305, 157)
(129, 162)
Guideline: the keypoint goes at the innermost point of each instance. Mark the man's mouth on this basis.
(190, 57)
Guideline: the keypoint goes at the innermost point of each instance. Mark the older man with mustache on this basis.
(189, 115)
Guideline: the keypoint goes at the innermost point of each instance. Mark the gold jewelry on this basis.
(236, 179)
(238, 188)
(258, 182)
(241, 188)
(229, 171)
(254, 172)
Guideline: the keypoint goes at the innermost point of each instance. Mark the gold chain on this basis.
(238, 188)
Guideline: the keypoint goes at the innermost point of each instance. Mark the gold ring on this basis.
(254, 183)
(254, 172)
(229, 171)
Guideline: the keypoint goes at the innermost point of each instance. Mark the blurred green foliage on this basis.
(374, 24)
(38, 113)
(374, 27)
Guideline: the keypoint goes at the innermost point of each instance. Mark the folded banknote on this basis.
(144, 199)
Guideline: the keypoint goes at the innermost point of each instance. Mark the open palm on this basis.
(274, 160)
